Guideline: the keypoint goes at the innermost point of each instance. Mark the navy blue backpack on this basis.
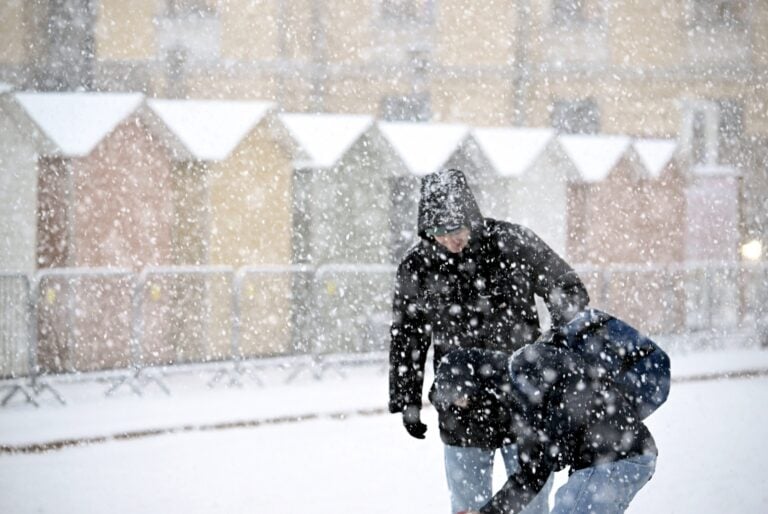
(636, 365)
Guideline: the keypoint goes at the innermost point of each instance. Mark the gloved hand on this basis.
(412, 421)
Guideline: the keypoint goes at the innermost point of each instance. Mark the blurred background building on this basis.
(695, 70)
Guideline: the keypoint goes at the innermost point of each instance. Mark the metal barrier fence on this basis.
(703, 300)
(84, 320)
(14, 324)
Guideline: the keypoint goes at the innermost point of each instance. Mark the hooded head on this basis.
(447, 204)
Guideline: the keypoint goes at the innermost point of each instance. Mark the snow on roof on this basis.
(325, 137)
(512, 151)
(655, 154)
(77, 122)
(5, 87)
(210, 129)
(594, 155)
(424, 147)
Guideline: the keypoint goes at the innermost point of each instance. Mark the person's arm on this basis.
(409, 343)
(554, 280)
(523, 486)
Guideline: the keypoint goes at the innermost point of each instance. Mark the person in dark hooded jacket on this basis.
(469, 283)
(566, 409)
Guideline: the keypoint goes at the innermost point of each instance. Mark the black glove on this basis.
(412, 421)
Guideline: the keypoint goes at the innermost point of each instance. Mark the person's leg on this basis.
(604, 488)
(540, 504)
(469, 472)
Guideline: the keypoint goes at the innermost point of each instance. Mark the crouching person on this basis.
(472, 426)
(575, 399)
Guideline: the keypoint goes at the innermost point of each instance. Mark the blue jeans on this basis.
(470, 471)
(604, 488)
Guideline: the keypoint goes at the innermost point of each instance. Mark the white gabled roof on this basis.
(655, 154)
(594, 155)
(210, 129)
(511, 151)
(325, 138)
(77, 122)
(424, 147)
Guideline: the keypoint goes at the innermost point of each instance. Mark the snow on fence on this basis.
(72, 320)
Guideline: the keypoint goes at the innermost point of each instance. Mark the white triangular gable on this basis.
(512, 151)
(655, 154)
(325, 138)
(210, 129)
(594, 155)
(424, 147)
(76, 122)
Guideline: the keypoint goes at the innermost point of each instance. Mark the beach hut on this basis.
(421, 148)
(529, 180)
(103, 185)
(103, 182)
(712, 239)
(19, 143)
(598, 212)
(343, 189)
(18, 225)
(232, 191)
(625, 217)
(342, 226)
(712, 211)
(659, 226)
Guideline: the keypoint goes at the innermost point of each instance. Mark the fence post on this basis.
(138, 378)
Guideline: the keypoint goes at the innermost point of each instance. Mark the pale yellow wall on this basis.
(13, 30)
(251, 204)
(361, 94)
(125, 30)
(474, 33)
(647, 33)
(349, 35)
(249, 29)
(484, 101)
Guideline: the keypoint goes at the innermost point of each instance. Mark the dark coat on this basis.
(482, 297)
(564, 410)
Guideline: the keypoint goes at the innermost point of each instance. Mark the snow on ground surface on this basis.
(348, 455)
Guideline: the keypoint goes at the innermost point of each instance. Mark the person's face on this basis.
(455, 241)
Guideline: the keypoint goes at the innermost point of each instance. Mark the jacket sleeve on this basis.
(523, 486)
(409, 341)
(554, 280)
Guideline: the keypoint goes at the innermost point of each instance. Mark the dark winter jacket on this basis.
(482, 297)
(564, 412)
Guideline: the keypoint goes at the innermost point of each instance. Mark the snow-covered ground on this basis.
(239, 450)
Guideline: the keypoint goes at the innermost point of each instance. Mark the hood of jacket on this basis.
(446, 199)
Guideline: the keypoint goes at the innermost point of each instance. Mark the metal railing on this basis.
(133, 325)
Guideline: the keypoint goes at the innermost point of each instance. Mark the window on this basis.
(407, 11)
(181, 8)
(568, 12)
(719, 13)
(713, 131)
(576, 116)
(414, 107)
(190, 32)
(730, 130)
(572, 13)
